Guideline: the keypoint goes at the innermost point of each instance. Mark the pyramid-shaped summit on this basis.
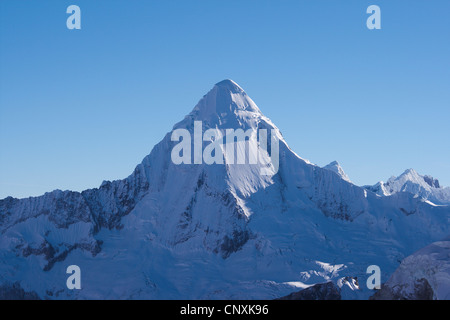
(225, 103)
(211, 231)
(230, 85)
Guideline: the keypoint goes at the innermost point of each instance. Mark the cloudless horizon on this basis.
(81, 106)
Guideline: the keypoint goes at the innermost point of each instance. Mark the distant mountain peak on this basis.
(411, 181)
(336, 167)
(410, 171)
(411, 175)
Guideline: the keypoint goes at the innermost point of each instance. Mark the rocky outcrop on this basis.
(15, 292)
(424, 275)
(321, 291)
(420, 289)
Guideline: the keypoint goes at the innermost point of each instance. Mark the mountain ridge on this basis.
(411, 181)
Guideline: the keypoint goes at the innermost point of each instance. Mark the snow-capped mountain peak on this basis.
(226, 105)
(426, 181)
(336, 167)
(411, 181)
(230, 85)
(408, 175)
(199, 230)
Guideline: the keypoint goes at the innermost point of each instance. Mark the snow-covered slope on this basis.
(410, 181)
(422, 275)
(172, 231)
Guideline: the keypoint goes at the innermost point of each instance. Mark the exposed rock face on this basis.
(434, 183)
(16, 292)
(420, 289)
(321, 291)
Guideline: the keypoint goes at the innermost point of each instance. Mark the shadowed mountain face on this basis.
(191, 231)
(424, 275)
(320, 291)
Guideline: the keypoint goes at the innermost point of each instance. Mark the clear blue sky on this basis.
(81, 106)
